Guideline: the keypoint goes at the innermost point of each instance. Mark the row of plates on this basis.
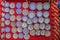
(32, 5)
(26, 28)
(26, 36)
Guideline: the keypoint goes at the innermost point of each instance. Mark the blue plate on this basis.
(7, 16)
(25, 31)
(24, 18)
(32, 6)
(7, 29)
(20, 35)
(18, 24)
(35, 20)
(18, 5)
(39, 14)
(18, 11)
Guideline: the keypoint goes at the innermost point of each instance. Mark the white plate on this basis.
(48, 27)
(26, 36)
(46, 20)
(46, 5)
(25, 12)
(25, 5)
(11, 11)
(7, 22)
(30, 27)
(6, 10)
(29, 21)
(12, 5)
(12, 18)
(32, 32)
(31, 14)
(18, 18)
(14, 29)
(15, 35)
(47, 33)
(19, 29)
(36, 26)
(46, 14)
(41, 20)
(8, 35)
(24, 25)
(42, 32)
(37, 32)
(39, 6)
(42, 26)
(13, 24)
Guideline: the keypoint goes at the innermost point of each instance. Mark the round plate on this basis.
(13, 24)
(25, 5)
(24, 25)
(37, 32)
(8, 35)
(35, 20)
(30, 27)
(48, 27)
(29, 21)
(41, 20)
(46, 5)
(32, 32)
(19, 29)
(6, 10)
(26, 36)
(2, 30)
(24, 18)
(42, 32)
(2, 19)
(18, 24)
(12, 18)
(14, 29)
(18, 5)
(32, 6)
(7, 16)
(12, 5)
(46, 20)
(18, 18)
(18, 11)
(21, 35)
(7, 29)
(42, 26)
(46, 14)
(2, 36)
(3, 14)
(2, 24)
(39, 14)
(6, 4)
(25, 31)
(31, 14)
(15, 36)
(25, 12)
(7, 22)
(11, 11)
(47, 33)
(36, 26)
(39, 6)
